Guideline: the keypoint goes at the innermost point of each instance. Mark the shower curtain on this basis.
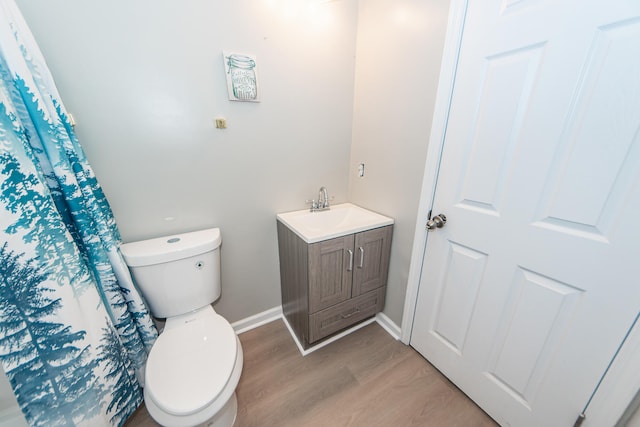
(74, 331)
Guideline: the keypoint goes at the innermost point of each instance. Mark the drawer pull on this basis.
(361, 249)
(350, 268)
(356, 311)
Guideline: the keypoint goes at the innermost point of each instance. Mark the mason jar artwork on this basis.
(242, 80)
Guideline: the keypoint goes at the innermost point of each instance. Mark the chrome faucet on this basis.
(323, 201)
(323, 198)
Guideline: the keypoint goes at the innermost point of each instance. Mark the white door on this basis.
(530, 287)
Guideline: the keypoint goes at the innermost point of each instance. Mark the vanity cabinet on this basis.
(333, 284)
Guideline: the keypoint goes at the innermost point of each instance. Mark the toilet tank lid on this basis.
(170, 248)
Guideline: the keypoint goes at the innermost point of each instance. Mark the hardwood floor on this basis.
(365, 379)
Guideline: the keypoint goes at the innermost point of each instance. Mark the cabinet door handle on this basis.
(361, 249)
(350, 268)
(355, 311)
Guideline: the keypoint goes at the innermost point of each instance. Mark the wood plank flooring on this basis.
(365, 379)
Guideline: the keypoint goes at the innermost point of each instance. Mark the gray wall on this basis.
(399, 47)
(145, 80)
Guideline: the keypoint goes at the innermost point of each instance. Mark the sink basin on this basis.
(340, 220)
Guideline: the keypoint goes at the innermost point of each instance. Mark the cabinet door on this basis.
(330, 265)
(371, 253)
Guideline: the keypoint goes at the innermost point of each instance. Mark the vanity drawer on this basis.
(345, 314)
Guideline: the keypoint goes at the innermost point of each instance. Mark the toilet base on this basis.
(226, 416)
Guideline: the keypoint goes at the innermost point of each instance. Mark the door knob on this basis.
(437, 221)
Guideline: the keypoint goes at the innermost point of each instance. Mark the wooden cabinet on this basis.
(333, 284)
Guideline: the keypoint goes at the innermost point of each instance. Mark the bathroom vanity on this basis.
(333, 268)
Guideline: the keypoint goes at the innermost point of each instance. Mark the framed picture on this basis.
(242, 76)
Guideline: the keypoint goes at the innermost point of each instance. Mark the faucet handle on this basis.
(313, 204)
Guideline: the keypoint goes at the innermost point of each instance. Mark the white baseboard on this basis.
(256, 320)
(275, 313)
(293, 335)
(388, 325)
(327, 341)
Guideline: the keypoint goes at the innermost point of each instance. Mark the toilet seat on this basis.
(191, 362)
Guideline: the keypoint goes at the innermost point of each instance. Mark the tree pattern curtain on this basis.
(74, 331)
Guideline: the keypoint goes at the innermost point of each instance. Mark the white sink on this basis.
(340, 220)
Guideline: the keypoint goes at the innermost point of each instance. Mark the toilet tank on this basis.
(176, 274)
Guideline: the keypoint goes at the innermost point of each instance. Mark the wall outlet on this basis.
(221, 123)
(361, 170)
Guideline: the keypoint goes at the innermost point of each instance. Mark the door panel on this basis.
(533, 320)
(531, 286)
(504, 90)
(463, 274)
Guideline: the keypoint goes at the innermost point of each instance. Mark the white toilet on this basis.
(195, 364)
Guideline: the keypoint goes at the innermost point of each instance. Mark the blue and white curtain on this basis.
(74, 331)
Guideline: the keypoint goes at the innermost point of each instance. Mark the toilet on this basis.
(195, 364)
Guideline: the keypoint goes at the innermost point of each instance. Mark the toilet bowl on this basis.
(193, 370)
(195, 364)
